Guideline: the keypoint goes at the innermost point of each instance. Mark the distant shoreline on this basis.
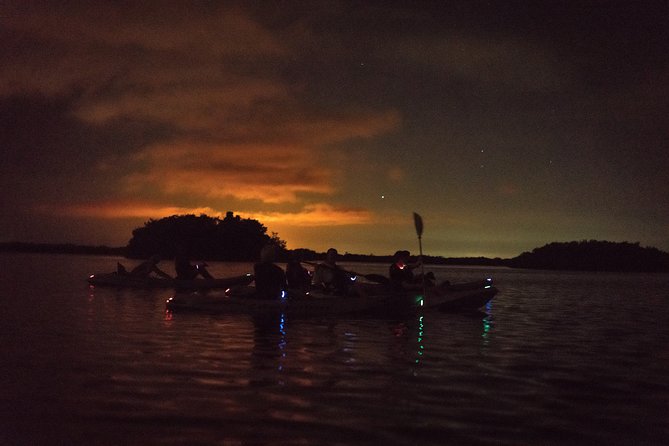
(573, 256)
(60, 248)
(71, 248)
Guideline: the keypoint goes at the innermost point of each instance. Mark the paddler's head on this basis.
(331, 255)
(401, 258)
(268, 254)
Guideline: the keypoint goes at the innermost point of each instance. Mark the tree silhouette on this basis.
(594, 255)
(202, 237)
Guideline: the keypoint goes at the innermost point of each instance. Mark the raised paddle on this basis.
(418, 222)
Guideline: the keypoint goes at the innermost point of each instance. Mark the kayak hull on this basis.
(243, 300)
(128, 281)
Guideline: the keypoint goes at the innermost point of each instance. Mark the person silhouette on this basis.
(270, 279)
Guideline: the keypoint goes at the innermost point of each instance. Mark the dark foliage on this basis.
(594, 256)
(201, 237)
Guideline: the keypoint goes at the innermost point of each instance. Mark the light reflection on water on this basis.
(556, 358)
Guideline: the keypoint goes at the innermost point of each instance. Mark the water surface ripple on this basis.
(556, 359)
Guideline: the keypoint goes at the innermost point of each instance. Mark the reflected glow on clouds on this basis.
(487, 120)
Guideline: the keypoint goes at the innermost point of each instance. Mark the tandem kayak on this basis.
(129, 281)
(458, 297)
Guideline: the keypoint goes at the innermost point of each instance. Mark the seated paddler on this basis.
(270, 278)
(297, 276)
(187, 271)
(402, 276)
(145, 269)
(329, 277)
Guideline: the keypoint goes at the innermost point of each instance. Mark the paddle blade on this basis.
(418, 221)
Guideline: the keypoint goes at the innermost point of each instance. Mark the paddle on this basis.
(378, 278)
(418, 222)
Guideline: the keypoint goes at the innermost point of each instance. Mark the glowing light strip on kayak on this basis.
(421, 331)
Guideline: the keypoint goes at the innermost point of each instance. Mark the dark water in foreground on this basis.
(557, 359)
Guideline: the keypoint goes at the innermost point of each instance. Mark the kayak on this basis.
(129, 281)
(466, 296)
(459, 297)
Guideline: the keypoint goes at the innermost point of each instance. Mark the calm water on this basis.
(557, 359)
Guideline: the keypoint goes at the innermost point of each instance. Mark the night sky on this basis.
(507, 125)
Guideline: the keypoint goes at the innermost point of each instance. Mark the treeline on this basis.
(202, 237)
(309, 255)
(593, 255)
(61, 248)
(236, 239)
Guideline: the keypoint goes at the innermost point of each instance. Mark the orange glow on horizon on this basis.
(318, 215)
(314, 215)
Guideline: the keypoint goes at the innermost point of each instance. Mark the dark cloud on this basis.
(505, 123)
